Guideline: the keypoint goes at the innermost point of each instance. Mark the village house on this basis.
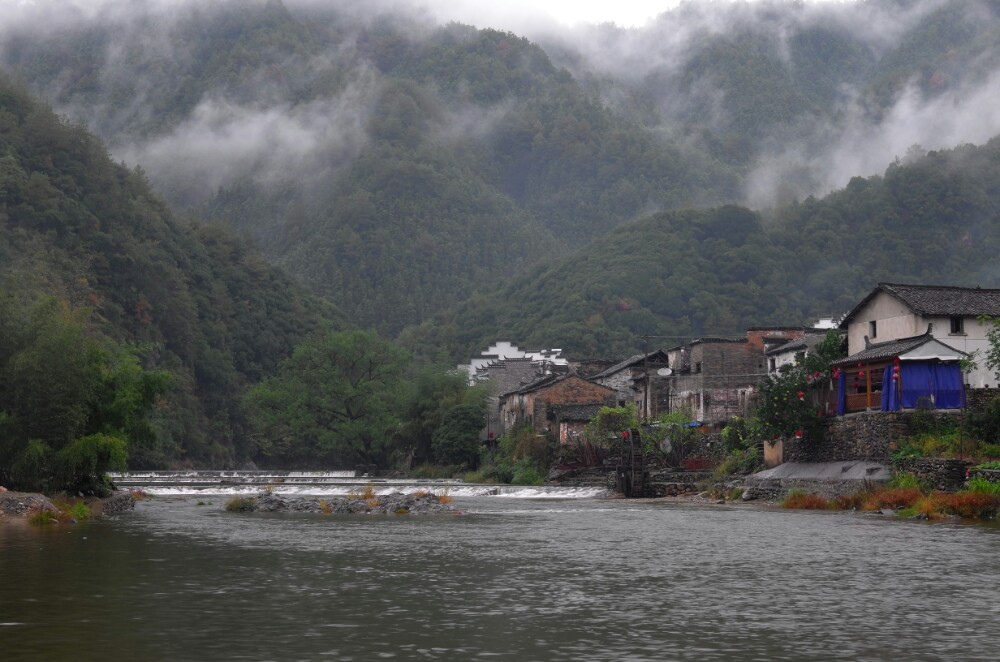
(503, 367)
(639, 381)
(906, 344)
(557, 405)
(784, 353)
(895, 312)
(713, 378)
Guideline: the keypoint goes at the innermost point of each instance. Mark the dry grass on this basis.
(444, 499)
(139, 495)
(420, 494)
(240, 504)
(373, 502)
(325, 507)
(896, 497)
(802, 501)
(970, 505)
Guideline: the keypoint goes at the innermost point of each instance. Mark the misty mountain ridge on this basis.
(399, 165)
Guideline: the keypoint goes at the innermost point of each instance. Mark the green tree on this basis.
(992, 355)
(456, 441)
(332, 403)
(74, 402)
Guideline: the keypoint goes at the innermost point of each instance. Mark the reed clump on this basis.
(800, 500)
(239, 504)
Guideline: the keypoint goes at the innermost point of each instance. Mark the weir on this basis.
(333, 483)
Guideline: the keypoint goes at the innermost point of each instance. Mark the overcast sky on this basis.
(511, 14)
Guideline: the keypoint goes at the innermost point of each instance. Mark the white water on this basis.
(330, 483)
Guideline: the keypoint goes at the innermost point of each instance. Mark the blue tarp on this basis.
(890, 391)
(924, 384)
(841, 394)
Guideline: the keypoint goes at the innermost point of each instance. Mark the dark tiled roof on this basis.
(937, 300)
(791, 345)
(889, 349)
(548, 380)
(632, 360)
(575, 412)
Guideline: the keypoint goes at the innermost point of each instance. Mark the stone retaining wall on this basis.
(868, 435)
(947, 475)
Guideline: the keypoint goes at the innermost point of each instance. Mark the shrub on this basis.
(239, 504)
(456, 440)
(43, 517)
(740, 462)
(971, 505)
(801, 500)
(989, 450)
(325, 507)
(896, 497)
(78, 511)
(82, 465)
(445, 498)
(995, 464)
(982, 485)
(855, 501)
(527, 475)
(906, 479)
(926, 507)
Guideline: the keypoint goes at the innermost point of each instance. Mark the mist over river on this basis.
(515, 577)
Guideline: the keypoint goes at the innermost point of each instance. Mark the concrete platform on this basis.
(827, 471)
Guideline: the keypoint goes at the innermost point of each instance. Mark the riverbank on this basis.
(28, 504)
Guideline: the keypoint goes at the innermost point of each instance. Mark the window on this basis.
(773, 365)
(958, 325)
(872, 329)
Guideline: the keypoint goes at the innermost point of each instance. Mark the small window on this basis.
(872, 329)
(958, 325)
(697, 366)
(773, 364)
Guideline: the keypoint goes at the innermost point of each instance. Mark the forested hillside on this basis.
(933, 218)
(402, 165)
(88, 251)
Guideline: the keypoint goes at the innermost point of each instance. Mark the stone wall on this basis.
(942, 474)
(977, 399)
(870, 435)
(862, 436)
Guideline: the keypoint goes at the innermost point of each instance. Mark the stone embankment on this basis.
(419, 503)
(26, 504)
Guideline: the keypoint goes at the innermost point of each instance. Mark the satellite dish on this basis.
(664, 372)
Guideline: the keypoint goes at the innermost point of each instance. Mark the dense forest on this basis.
(302, 184)
(87, 249)
(931, 219)
(397, 164)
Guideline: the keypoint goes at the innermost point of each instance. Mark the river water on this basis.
(512, 578)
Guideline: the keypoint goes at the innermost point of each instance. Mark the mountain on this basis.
(931, 218)
(403, 166)
(190, 299)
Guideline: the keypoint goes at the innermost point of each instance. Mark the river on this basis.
(512, 578)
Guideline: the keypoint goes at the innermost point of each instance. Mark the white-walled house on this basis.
(950, 314)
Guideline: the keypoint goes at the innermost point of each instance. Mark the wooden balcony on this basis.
(859, 402)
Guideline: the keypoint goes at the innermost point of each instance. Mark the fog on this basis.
(269, 130)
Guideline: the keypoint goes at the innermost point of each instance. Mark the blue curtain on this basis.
(950, 391)
(927, 382)
(890, 391)
(841, 394)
